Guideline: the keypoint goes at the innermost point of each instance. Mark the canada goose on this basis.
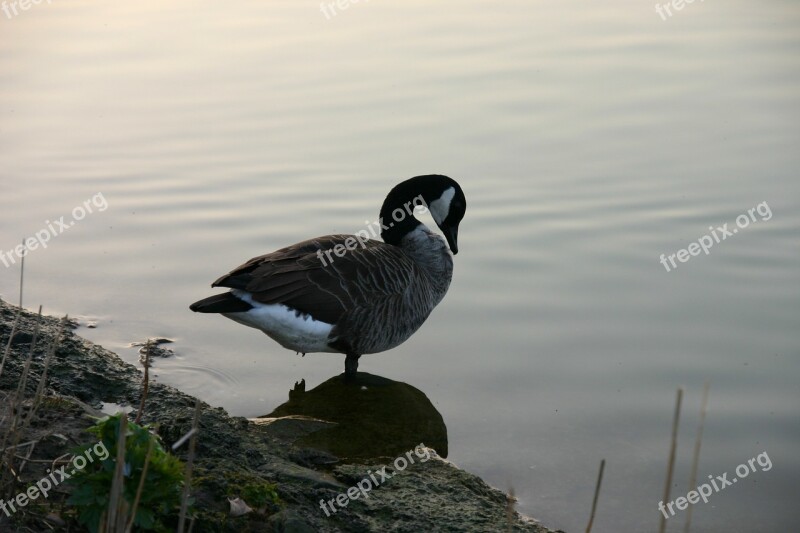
(347, 293)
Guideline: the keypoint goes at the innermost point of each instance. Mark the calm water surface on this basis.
(590, 138)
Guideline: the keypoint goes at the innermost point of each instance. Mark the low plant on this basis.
(259, 494)
(160, 495)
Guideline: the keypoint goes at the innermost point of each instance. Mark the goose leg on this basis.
(351, 366)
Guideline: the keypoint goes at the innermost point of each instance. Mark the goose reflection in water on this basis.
(370, 417)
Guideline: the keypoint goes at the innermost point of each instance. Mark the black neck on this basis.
(397, 212)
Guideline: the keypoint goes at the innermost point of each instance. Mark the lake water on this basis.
(589, 138)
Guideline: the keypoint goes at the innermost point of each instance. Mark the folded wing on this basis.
(325, 286)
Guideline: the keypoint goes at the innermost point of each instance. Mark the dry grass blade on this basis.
(140, 488)
(511, 500)
(145, 380)
(671, 464)
(696, 458)
(23, 382)
(116, 516)
(16, 318)
(13, 433)
(27, 457)
(18, 398)
(596, 494)
(7, 351)
(37, 397)
(187, 482)
(10, 338)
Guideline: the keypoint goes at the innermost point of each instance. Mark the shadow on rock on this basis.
(368, 418)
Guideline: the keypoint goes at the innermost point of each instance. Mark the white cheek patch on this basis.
(440, 208)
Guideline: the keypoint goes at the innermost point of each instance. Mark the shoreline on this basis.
(292, 450)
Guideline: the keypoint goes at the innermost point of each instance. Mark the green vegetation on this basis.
(160, 496)
(259, 493)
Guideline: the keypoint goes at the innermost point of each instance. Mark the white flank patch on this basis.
(441, 208)
(299, 333)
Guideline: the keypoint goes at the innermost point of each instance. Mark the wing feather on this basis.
(296, 276)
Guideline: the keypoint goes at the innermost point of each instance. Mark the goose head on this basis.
(440, 194)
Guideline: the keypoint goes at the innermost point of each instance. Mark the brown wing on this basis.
(325, 288)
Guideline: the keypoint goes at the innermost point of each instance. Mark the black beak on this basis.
(451, 234)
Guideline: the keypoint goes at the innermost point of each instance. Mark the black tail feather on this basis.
(220, 303)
